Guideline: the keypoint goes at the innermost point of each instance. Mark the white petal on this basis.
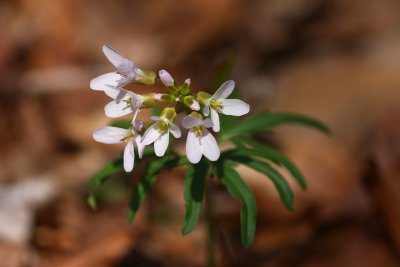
(166, 78)
(209, 146)
(234, 107)
(113, 55)
(207, 123)
(128, 68)
(151, 135)
(215, 120)
(102, 82)
(116, 109)
(176, 132)
(224, 90)
(119, 93)
(109, 135)
(193, 149)
(129, 156)
(135, 98)
(161, 144)
(129, 77)
(206, 110)
(140, 146)
(191, 121)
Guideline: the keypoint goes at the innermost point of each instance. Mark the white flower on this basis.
(218, 103)
(159, 134)
(114, 135)
(124, 103)
(126, 71)
(199, 140)
(166, 78)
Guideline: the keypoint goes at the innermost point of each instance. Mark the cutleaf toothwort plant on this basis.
(210, 119)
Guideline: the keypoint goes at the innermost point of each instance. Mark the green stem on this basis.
(209, 229)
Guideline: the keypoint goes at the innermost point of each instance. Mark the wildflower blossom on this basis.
(124, 103)
(115, 135)
(126, 72)
(217, 103)
(199, 140)
(158, 133)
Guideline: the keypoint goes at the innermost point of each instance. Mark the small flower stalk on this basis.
(201, 110)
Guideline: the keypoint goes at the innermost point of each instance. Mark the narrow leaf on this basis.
(266, 121)
(261, 150)
(238, 189)
(108, 170)
(121, 124)
(193, 194)
(155, 111)
(283, 188)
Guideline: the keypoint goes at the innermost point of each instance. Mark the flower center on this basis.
(162, 126)
(128, 101)
(217, 105)
(198, 130)
(127, 137)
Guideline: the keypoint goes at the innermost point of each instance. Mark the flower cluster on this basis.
(202, 111)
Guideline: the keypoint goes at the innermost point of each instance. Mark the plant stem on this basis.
(209, 228)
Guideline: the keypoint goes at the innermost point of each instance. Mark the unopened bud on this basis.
(185, 88)
(166, 78)
(158, 97)
(190, 102)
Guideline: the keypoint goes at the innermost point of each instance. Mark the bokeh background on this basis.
(335, 60)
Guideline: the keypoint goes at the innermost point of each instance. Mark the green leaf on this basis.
(283, 188)
(155, 111)
(193, 194)
(101, 177)
(265, 121)
(238, 189)
(222, 74)
(121, 124)
(261, 150)
(91, 200)
(108, 170)
(142, 188)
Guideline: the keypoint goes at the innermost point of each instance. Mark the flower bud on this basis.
(190, 102)
(185, 88)
(166, 78)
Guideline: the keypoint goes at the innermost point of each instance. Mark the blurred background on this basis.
(335, 60)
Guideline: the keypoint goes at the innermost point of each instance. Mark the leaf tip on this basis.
(185, 231)
(130, 216)
(91, 201)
